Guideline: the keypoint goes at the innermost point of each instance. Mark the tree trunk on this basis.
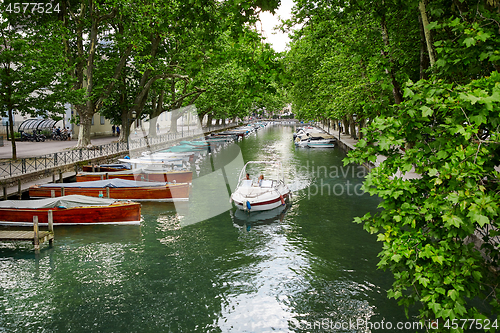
(352, 127)
(424, 63)
(126, 127)
(85, 128)
(12, 136)
(209, 120)
(396, 91)
(427, 32)
(173, 123)
(346, 125)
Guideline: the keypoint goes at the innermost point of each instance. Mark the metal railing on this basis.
(59, 159)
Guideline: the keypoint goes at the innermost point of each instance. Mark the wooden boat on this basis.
(151, 161)
(267, 194)
(69, 210)
(143, 175)
(116, 189)
(106, 167)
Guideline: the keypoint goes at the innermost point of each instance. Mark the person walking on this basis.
(113, 129)
(117, 130)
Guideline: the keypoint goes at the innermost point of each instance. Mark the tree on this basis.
(440, 230)
(33, 78)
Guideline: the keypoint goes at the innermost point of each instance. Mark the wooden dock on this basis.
(36, 236)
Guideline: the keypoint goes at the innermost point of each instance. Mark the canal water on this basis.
(302, 268)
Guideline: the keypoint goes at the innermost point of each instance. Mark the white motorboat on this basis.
(322, 143)
(263, 194)
(320, 140)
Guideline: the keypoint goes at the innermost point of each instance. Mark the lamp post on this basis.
(134, 116)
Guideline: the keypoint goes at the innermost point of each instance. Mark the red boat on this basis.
(105, 168)
(69, 210)
(138, 175)
(116, 189)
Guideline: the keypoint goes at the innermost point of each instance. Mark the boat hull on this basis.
(321, 145)
(261, 205)
(170, 177)
(98, 168)
(170, 192)
(119, 213)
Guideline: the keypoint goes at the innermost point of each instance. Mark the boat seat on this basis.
(266, 183)
(246, 183)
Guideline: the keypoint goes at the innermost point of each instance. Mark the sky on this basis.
(269, 21)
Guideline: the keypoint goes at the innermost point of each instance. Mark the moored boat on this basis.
(116, 189)
(106, 167)
(69, 210)
(265, 194)
(142, 174)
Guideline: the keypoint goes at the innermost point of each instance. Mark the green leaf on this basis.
(453, 294)
(396, 257)
(470, 41)
(426, 111)
(482, 220)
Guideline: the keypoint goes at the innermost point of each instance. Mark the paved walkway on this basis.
(33, 149)
(350, 142)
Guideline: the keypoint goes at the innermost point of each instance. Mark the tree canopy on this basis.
(424, 77)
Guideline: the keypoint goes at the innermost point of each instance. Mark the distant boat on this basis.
(267, 194)
(116, 189)
(318, 140)
(157, 162)
(106, 167)
(69, 210)
(142, 174)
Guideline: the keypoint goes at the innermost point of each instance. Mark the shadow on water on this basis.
(248, 220)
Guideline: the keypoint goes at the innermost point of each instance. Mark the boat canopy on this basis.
(114, 183)
(67, 201)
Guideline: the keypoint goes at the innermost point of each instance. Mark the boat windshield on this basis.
(270, 171)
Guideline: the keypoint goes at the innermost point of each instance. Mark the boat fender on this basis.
(282, 200)
(248, 205)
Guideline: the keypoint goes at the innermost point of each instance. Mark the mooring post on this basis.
(51, 225)
(5, 192)
(19, 188)
(53, 176)
(52, 193)
(35, 231)
(107, 192)
(60, 176)
(107, 175)
(62, 191)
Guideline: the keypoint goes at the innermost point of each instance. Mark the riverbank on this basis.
(348, 143)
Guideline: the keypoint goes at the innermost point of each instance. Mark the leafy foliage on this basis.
(439, 229)
(449, 135)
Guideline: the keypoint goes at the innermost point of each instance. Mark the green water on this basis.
(301, 270)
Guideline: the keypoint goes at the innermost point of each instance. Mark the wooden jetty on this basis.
(38, 237)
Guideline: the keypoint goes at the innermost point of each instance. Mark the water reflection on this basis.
(247, 220)
(301, 265)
